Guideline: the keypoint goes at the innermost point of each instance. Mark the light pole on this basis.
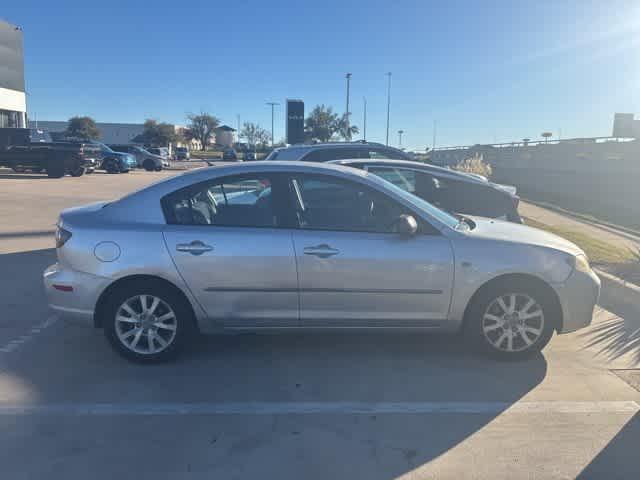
(364, 122)
(238, 136)
(433, 146)
(400, 132)
(348, 132)
(273, 104)
(388, 104)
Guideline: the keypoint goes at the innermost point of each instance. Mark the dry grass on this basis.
(599, 252)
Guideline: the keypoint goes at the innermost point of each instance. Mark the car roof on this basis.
(414, 165)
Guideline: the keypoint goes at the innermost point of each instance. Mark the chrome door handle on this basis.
(194, 248)
(322, 251)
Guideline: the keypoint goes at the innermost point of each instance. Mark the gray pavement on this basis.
(296, 406)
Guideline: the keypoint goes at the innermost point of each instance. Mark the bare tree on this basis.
(201, 128)
(254, 134)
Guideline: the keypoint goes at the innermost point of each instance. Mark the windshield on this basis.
(432, 211)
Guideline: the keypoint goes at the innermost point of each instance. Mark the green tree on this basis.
(156, 134)
(201, 128)
(82, 127)
(254, 134)
(346, 130)
(321, 124)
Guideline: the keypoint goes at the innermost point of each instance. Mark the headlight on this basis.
(582, 264)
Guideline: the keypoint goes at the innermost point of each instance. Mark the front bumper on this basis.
(578, 297)
(73, 294)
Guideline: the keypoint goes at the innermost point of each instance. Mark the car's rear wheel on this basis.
(511, 321)
(149, 165)
(77, 172)
(111, 166)
(147, 322)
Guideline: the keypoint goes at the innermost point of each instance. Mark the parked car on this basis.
(160, 151)
(453, 191)
(182, 153)
(229, 155)
(115, 162)
(22, 149)
(325, 152)
(273, 246)
(250, 156)
(144, 158)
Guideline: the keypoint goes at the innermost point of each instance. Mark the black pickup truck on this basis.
(23, 149)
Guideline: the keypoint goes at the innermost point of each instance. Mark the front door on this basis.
(354, 271)
(225, 239)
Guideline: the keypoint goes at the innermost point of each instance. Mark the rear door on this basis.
(354, 271)
(227, 241)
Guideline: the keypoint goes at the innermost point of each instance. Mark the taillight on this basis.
(62, 236)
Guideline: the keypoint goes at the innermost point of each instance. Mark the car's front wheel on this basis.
(511, 321)
(147, 322)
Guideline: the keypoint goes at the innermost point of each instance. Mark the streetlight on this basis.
(364, 128)
(348, 132)
(273, 104)
(388, 104)
(400, 132)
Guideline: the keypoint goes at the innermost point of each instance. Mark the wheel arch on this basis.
(124, 281)
(511, 278)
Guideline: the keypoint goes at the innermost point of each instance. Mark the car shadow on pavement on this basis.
(619, 459)
(69, 364)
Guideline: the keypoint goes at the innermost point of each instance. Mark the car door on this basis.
(353, 270)
(226, 240)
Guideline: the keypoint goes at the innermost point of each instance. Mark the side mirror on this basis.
(406, 225)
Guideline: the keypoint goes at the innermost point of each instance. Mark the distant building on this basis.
(225, 136)
(13, 102)
(109, 132)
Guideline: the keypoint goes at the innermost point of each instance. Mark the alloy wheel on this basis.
(513, 322)
(145, 324)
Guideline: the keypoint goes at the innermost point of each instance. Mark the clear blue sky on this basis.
(502, 71)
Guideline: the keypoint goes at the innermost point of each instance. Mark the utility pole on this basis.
(433, 146)
(273, 104)
(364, 128)
(400, 132)
(348, 132)
(388, 105)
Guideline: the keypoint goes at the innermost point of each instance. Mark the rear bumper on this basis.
(73, 294)
(578, 297)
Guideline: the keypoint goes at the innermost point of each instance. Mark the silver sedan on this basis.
(289, 246)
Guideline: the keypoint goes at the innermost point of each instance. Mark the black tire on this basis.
(184, 323)
(487, 299)
(18, 169)
(111, 166)
(37, 169)
(149, 165)
(158, 169)
(77, 172)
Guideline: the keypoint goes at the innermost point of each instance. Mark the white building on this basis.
(224, 136)
(13, 102)
(109, 132)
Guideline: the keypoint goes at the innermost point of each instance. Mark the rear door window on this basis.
(240, 201)
(400, 177)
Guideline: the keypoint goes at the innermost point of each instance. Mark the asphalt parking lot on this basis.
(297, 406)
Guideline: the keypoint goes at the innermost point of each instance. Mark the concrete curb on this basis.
(616, 291)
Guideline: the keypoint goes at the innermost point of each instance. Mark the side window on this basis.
(403, 178)
(231, 202)
(385, 154)
(328, 154)
(326, 203)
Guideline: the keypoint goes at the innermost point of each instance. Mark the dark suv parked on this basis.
(450, 190)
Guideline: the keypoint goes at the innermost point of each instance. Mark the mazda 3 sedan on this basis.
(290, 246)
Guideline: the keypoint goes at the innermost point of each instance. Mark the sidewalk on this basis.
(551, 218)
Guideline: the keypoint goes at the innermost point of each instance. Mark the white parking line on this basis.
(305, 408)
(22, 339)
